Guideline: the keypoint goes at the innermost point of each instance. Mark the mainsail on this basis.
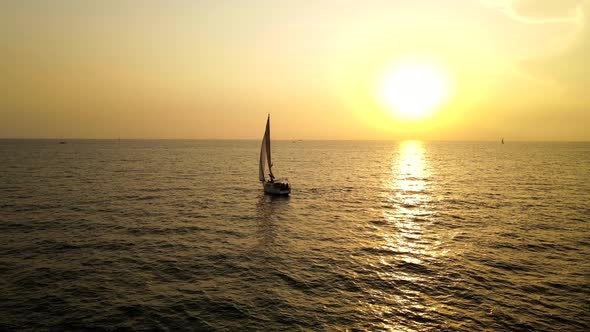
(265, 153)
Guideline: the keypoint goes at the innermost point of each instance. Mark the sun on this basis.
(413, 90)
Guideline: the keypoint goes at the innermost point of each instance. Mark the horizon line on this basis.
(289, 139)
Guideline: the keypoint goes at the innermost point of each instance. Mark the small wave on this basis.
(292, 281)
(152, 190)
(508, 266)
(379, 222)
(143, 230)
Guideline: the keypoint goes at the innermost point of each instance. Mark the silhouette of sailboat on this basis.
(271, 186)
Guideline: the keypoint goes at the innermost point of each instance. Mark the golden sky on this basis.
(517, 69)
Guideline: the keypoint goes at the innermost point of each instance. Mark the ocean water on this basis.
(408, 236)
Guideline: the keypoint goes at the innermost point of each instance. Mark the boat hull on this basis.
(276, 188)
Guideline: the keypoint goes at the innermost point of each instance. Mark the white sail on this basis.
(272, 186)
(265, 154)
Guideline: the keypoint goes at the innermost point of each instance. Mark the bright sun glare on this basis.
(413, 91)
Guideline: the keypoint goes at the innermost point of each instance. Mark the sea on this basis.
(177, 235)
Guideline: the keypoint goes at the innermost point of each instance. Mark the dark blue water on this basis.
(177, 235)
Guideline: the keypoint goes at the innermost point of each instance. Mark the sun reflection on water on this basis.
(409, 203)
(410, 183)
(409, 246)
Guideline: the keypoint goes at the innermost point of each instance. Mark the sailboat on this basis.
(502, 140)
(271, 186)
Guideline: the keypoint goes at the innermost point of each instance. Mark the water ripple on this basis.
(176, 235)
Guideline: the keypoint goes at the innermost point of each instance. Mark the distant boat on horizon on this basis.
(502, 140)
(63, 142)
(271, 186)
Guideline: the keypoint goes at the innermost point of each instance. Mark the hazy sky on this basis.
(214, 69)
